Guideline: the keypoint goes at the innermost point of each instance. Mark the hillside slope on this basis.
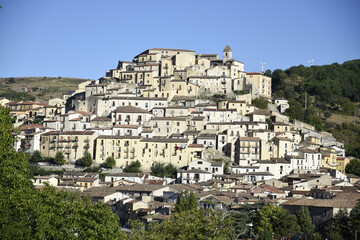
(37, 88)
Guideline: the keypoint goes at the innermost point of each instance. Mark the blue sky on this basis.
(84, 38)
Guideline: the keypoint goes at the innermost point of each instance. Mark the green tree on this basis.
(186, 202)
(296, 110)
(305, 222)
(59, 158)
(269, 123)
(86, 160)
(353, 167)
(196, 224)
(355, 220)
(261, 102)
(36, 156)
(171, 171)
(160, 170)
(109, 162)
(28, 213)
(133, 167)
(340, 226)
(276, 220)
(241, 223)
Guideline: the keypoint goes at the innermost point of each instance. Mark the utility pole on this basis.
(354, 114)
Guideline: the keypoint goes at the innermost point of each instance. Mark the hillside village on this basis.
(196, 112)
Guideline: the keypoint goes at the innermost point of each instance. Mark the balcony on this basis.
(74, 140)
(75, 146)
(64, 140)
(86, 147)
(87, 140)
(126, 150)
(132, 150)
(126, 144)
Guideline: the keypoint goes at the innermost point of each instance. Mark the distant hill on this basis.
(37, 88)
(334, 87)
(333, 96)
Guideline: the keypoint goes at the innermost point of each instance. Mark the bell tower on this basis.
(227, 53)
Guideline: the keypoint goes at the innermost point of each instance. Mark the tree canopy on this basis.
(186, 202)
(276, 220)
(305, 222)
(261, 103)
(28, 213)
(59, 158)
(160, 170)
(86, 160)
(36, 156)
(134, 167)
(109, 162)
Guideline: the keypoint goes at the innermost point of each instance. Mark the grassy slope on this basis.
(53, 87)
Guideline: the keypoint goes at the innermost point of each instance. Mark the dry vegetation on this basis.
(45, 87)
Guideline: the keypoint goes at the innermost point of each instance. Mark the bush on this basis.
(109, 162)
(160, 170)
(86, 160)
(261, 103)
(36, 157)
(134, 167)
(59, 158)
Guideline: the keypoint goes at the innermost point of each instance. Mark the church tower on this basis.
(227, 54)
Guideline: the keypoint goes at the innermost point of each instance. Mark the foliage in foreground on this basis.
(344, 225)
(28, 213)
(275, 220)
(188, 222)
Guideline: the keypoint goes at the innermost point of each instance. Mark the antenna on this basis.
(311, 62)
(262, 66)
